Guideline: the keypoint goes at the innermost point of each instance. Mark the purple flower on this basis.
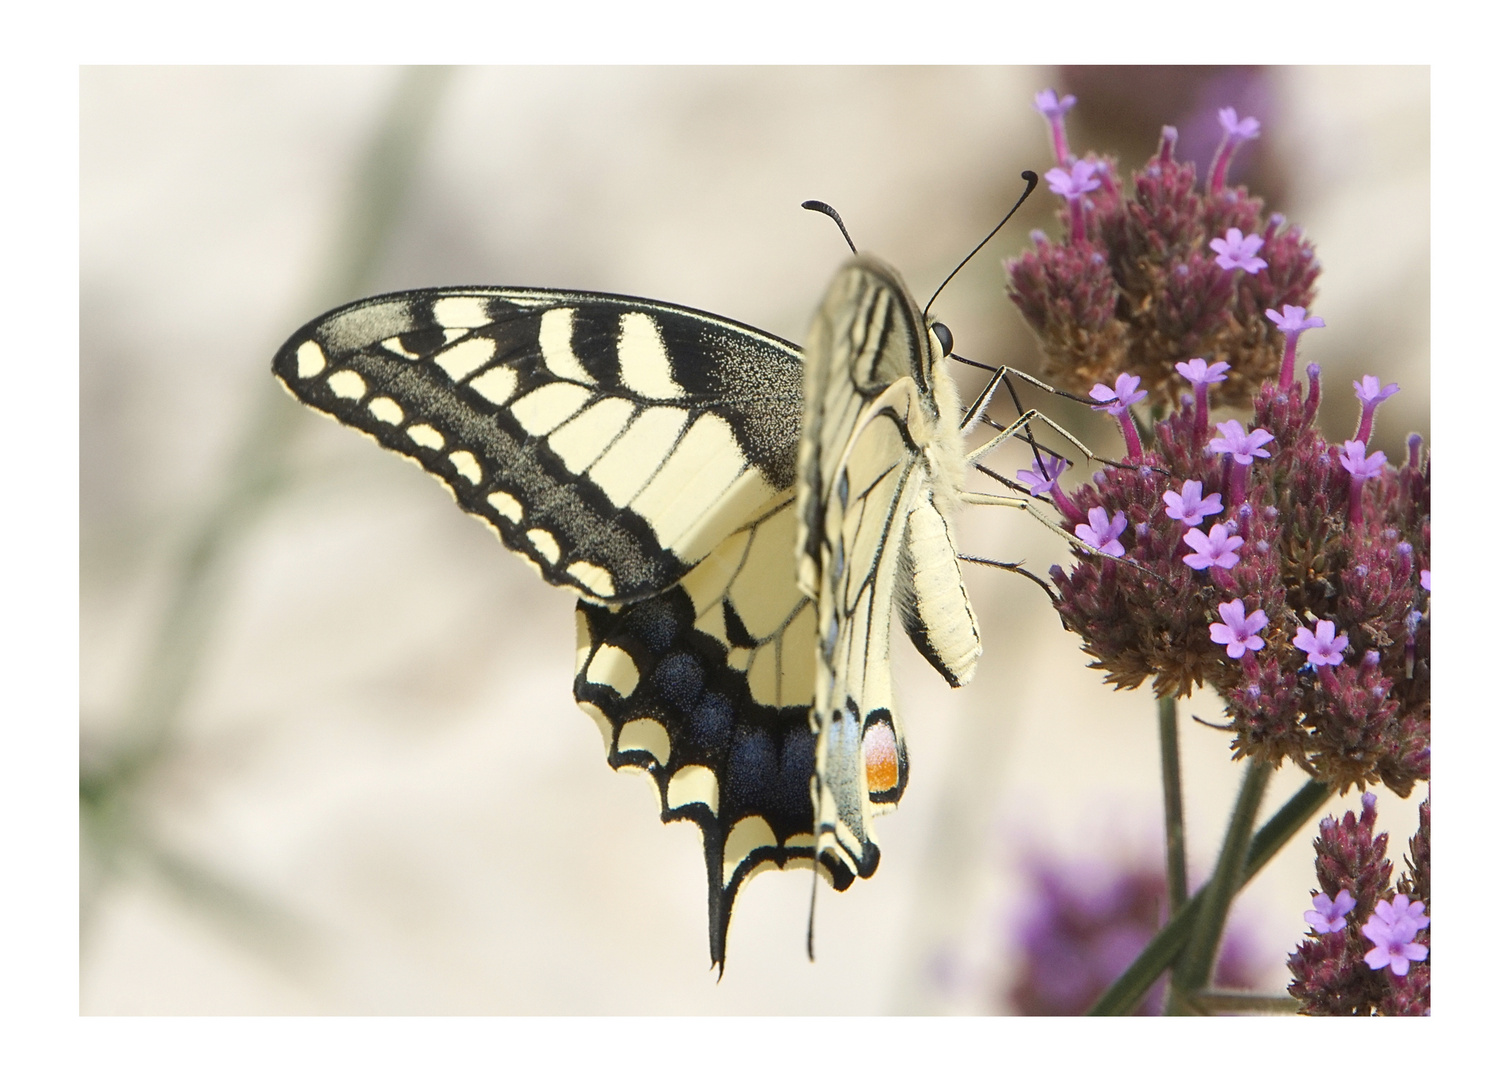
(1080, 180)
(1293, 320)
(1042, 477)
(1190, 506)
(1403, 910)
(1052, 106)
(1239, 631)
(1117, 401)
(1200, 373)
(1216, 549)
(1234, 128)
(1370, 395)
(1369, 391)
(1102, 534)
(1240, 252)
(1327, 916)
(1244, 446)
(1392, 928)
(1360, 467)
(1427, 580)
(1322, 647)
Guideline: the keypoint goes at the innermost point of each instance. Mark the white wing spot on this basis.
(629, 463)
(395, 346)
(747, 835)
(467, 467)
(464, 358)
(386, 409)
(496, 384)
(556, 346)
(644, 366)
(595, 579)
(581, 440)
(347, 384)
(461, 312)
(648, 735)
(693, 784)
(549, 407)
(611, 666)
(427, 436)
(605, 728)
(507, 505)
(310, 359)
(545, 543)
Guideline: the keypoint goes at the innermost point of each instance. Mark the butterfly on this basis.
(737, 517)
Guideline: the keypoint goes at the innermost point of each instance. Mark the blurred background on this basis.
(330, 758)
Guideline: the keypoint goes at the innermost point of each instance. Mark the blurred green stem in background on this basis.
(113, 833)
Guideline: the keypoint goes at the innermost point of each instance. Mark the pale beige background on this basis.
(379, 797)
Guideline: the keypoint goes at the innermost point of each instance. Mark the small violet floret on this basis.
(1352, 458)
(1190, 507)
(1200, 373)
(1244, 446)
(1369, 391)
(1427, 580)
(1101, 533)
(1239, 631)
(1240, 252)
(1051, 105)
(1041, 478)
(1391, 928)
(1245, 129)
(1324, 646)
(1080, 180)
(1117, 399)
(1327, 914)
(1214, 549)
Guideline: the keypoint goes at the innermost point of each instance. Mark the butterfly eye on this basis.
(946, 339)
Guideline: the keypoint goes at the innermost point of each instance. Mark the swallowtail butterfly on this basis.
(738, 524)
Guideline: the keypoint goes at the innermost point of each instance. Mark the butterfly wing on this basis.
(612, 442)
(879, 468)
(642, 455)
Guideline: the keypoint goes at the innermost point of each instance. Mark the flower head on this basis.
(1101, 533)
(1200, 373)
(1326, 916)
(1239, 631)
(1237, 251)
(1118, 400)
(1324, 646)
(1214, 549)
(1245, 446)
(1190, 507)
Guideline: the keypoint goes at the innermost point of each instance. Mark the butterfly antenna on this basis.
(1032, 180)
(825, 208)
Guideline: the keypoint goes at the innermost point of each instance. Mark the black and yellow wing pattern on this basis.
(663, 464)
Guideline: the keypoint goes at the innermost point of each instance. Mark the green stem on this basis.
(1230, 1002)
(1193, 970)
(1123, 996)
(1175, 822)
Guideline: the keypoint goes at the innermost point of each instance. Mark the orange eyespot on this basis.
(880, 748)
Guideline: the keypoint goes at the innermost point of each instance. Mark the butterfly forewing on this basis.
(612, 442)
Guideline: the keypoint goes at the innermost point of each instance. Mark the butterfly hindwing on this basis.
(879, 470)
(708, 688)
(612, 442)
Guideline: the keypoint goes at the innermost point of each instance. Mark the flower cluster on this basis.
(1173, 270)
(1086, 922)
(1289, 573)
(1367, 950)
